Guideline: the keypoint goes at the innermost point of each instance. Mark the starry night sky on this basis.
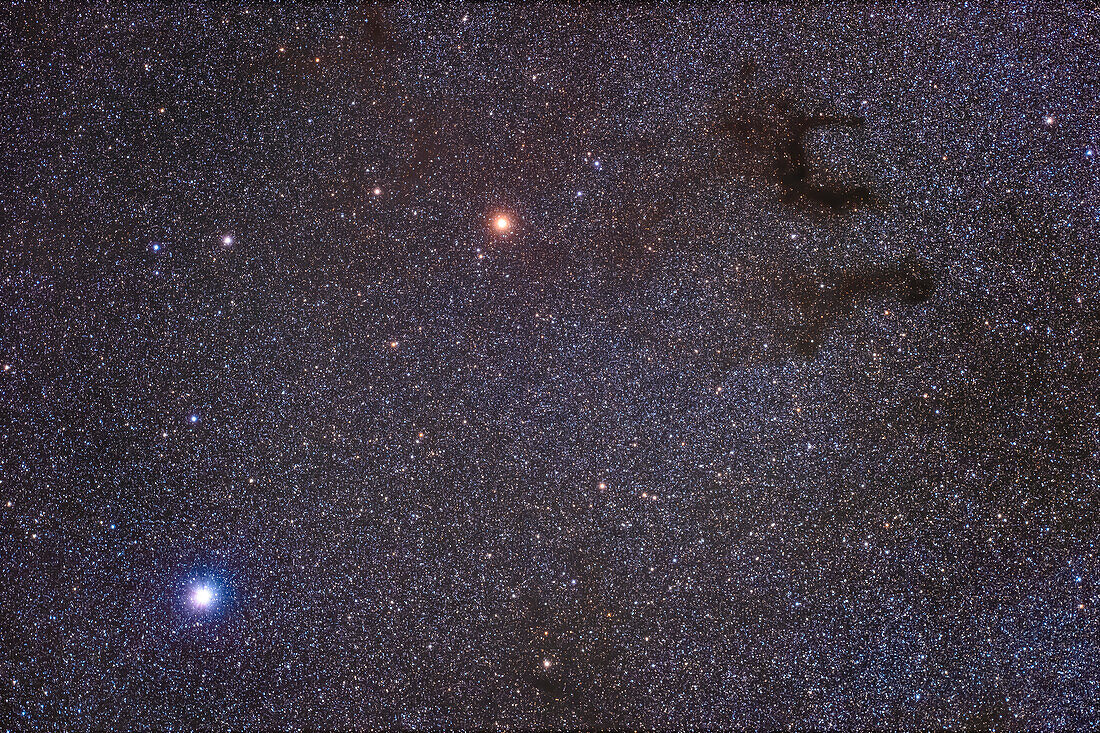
(550, 367)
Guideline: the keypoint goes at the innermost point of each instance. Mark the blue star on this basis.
(203, 596)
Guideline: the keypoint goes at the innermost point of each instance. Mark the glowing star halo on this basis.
(202, 596)
(502, 223)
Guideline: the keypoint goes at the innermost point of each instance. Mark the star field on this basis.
(550, 367)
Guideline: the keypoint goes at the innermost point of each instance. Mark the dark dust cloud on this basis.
(550, 366)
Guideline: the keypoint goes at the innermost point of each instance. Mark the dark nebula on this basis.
(780, 134)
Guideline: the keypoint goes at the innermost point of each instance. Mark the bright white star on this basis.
(202, 596)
